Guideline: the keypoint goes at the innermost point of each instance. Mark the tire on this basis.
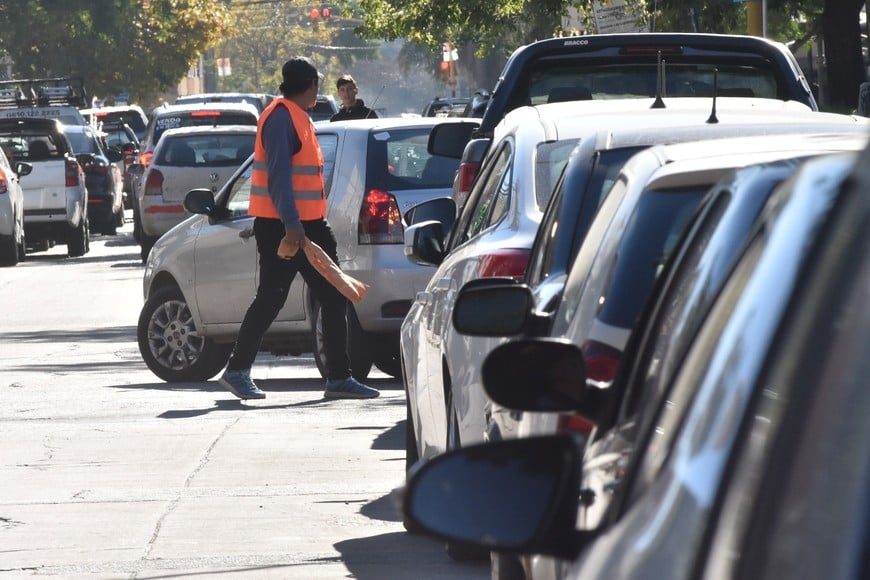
(110, 228)
(77, 242)
(9, 251)
(386, 356)
(170, 344)
(146, 242)
(506, 567)
(119, 218)
(137, 224)
(360, 356)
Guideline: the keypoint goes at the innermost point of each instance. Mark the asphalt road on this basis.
(108, 472)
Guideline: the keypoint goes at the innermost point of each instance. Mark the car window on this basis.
(239, 194)
(476, 213)
(650, 235)
(212, 149)
(550, 160)
(559, 80)
(84, 142)
(329, 148)
(664, 418)
(199, 119)
(398, 160)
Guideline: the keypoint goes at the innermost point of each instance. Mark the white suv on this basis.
(11, 210)
(55, 193)
(201, 276)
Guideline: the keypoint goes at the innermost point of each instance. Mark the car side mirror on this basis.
(200, 201)
(136, 169)
(114, 155)
(516, 496)
(492, 307)
(449, 139)
(542, 374)
(441, 209)
(425, 243)
(22, 168)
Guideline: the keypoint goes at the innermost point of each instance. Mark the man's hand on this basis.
(293, 241)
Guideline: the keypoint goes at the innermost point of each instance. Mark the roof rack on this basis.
(59, 91)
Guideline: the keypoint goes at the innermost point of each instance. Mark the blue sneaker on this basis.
(240, 384)
(349, 388)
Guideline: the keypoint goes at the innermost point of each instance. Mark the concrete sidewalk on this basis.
(117, 475)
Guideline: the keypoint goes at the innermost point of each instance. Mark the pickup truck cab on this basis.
(653, 66)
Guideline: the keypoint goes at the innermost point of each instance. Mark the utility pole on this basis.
(756, 17)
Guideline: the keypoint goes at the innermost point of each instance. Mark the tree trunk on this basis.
(845, 67)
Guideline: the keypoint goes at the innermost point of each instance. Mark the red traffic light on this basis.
(325, 12)
(315, 14)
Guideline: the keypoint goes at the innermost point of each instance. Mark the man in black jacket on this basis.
(351, 107)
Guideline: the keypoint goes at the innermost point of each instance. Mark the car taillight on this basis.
(379, 219)
(205, 114)
(573, 424)
(467, 172)
(602, 361)
(71, 172)
(154, 183)
(145, 158)
(507, 262)
(4, 187)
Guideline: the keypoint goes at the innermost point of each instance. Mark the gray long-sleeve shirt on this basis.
(281, 142)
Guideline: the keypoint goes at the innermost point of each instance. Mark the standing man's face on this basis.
(347, 94)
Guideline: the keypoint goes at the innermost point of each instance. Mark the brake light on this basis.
(467, 172)
(4, 186)
(154, 183)
(651, 50)
(205, 114)
(507, 262)
(71, 172)
(379, 219)
(145, 158)
(602, 361)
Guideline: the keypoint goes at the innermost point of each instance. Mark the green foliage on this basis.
(142, 46)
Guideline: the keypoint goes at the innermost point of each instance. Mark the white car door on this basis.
(225, 263)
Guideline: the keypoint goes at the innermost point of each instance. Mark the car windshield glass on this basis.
(650, 235)
(398, 160)
(549, 163)
(563, 81)
(200, 119)
(133, 119)
(212, 149)
(83, 143)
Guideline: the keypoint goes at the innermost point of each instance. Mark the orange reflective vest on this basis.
(306, 169)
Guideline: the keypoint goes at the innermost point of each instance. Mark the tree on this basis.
(141, 46)
(504, 24)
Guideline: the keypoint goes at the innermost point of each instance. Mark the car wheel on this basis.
(360, 356)
(386, 356)
(9, 253)
(137, 225)
(170, 344)
(119, 217)
(146, 242)
(77, 239)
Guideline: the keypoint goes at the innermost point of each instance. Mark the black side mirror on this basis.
(515, 496)
(499, 308)
(441, 209)
(200, 201)
(449, 139)
(425, 243)
(23, 168)
(114, 155)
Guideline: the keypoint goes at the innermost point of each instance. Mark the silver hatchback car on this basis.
(201, 276)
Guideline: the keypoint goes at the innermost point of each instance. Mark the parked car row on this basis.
(731, 442)
(579, 216)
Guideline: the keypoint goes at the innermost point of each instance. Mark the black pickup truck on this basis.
(618, 66)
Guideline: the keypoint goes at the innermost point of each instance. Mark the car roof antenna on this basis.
(713, 119)
(660, 83)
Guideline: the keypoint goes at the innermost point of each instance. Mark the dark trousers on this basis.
(276, 275)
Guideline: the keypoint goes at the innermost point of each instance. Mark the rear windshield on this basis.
(30, 146)
(131, 118)
(650, 235)
(257, 102)
(398, 160)
(84, 142)
(200, 119)
(564, 81)
(206, 150)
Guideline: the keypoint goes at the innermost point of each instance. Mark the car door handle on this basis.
(246, 233)
(443, 284)
(423, 298)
